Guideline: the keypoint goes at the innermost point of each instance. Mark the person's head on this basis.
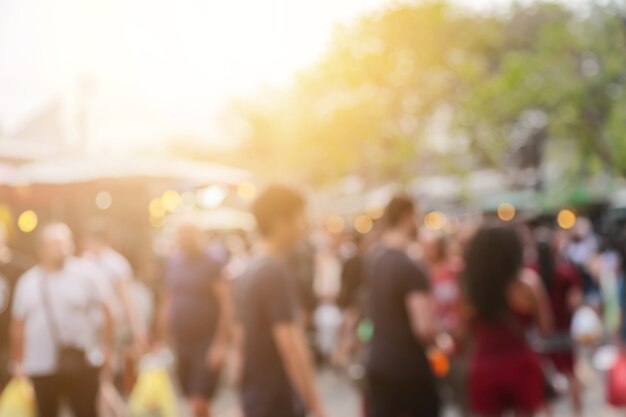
(279, 213)
(401, 215)
(54, 244)
(189, 237)
(96, 236)
(435, 247)
(493, 260)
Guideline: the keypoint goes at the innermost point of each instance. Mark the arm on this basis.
(296, 358)
(238, 359)
(107, 338)
(420, 311)
(217, 351)
(123, 290)
(163, 312)
(539, 301)
(17, 344)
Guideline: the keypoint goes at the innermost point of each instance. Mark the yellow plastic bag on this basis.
(153, 395)
(17, 399)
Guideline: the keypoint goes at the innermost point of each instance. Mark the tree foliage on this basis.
(429, 87)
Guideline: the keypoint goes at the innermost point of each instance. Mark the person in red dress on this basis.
(503, 300)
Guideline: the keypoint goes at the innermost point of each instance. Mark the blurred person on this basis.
(277, 378)
(401, 382)
(352, 274)
(504, 300)
(195, 315)
(564, 289)
(54, 339)
(580, 250)
(117, 282)
(351, 297)
(446, 294)
(12, 266)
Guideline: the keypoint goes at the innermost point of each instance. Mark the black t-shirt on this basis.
(11, 269)
(395, 352)
(265, 298)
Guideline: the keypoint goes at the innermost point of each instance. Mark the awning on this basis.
(78, 169)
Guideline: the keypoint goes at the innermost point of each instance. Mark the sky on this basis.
(160, 67)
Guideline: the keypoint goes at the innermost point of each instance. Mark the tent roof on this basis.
(85, 169)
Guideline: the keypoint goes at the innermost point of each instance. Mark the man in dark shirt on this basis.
(196, 311)
(277, 378)
(12, 266)
(400, 378)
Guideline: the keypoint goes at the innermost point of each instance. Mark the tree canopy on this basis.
(429, 87)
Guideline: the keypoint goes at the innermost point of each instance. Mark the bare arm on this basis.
(297, 361)
(539, 301)
(17, 342)
(107, 337)
(239, 356)
(420, 311)
(217, 351)
(162, 317)
(222, 293)
(123, 290)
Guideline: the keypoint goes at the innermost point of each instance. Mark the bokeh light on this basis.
(157, 222)
(104, 200)
(506, 212)
(156, 208)
(376, 213)
(247, 191)
(212, 197)
(566, 219)
(335, 224)
(435, 220)
(27, 221)
(363, 224)
(170, 200)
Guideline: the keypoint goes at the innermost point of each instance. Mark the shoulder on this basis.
(26, 286)
(117, 260)
(266, 273)
(525, 290)
(29, 277)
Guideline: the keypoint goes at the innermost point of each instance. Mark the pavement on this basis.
(342, 399)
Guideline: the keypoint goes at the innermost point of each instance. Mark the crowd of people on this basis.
(478, 318)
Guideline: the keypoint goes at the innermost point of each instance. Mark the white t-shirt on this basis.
(72, 296)
(115, 268)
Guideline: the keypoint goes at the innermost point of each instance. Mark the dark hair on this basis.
(493, 260)
(277, 203)
(545, 262)
(397, 209)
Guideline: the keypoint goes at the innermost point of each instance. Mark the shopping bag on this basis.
(17, 399)
(586, 326)
(153, 395)
(617, 382)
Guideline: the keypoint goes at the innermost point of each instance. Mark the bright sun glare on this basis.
(160, 67)
(174, 64)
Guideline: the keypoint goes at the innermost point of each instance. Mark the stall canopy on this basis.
(77, 170)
